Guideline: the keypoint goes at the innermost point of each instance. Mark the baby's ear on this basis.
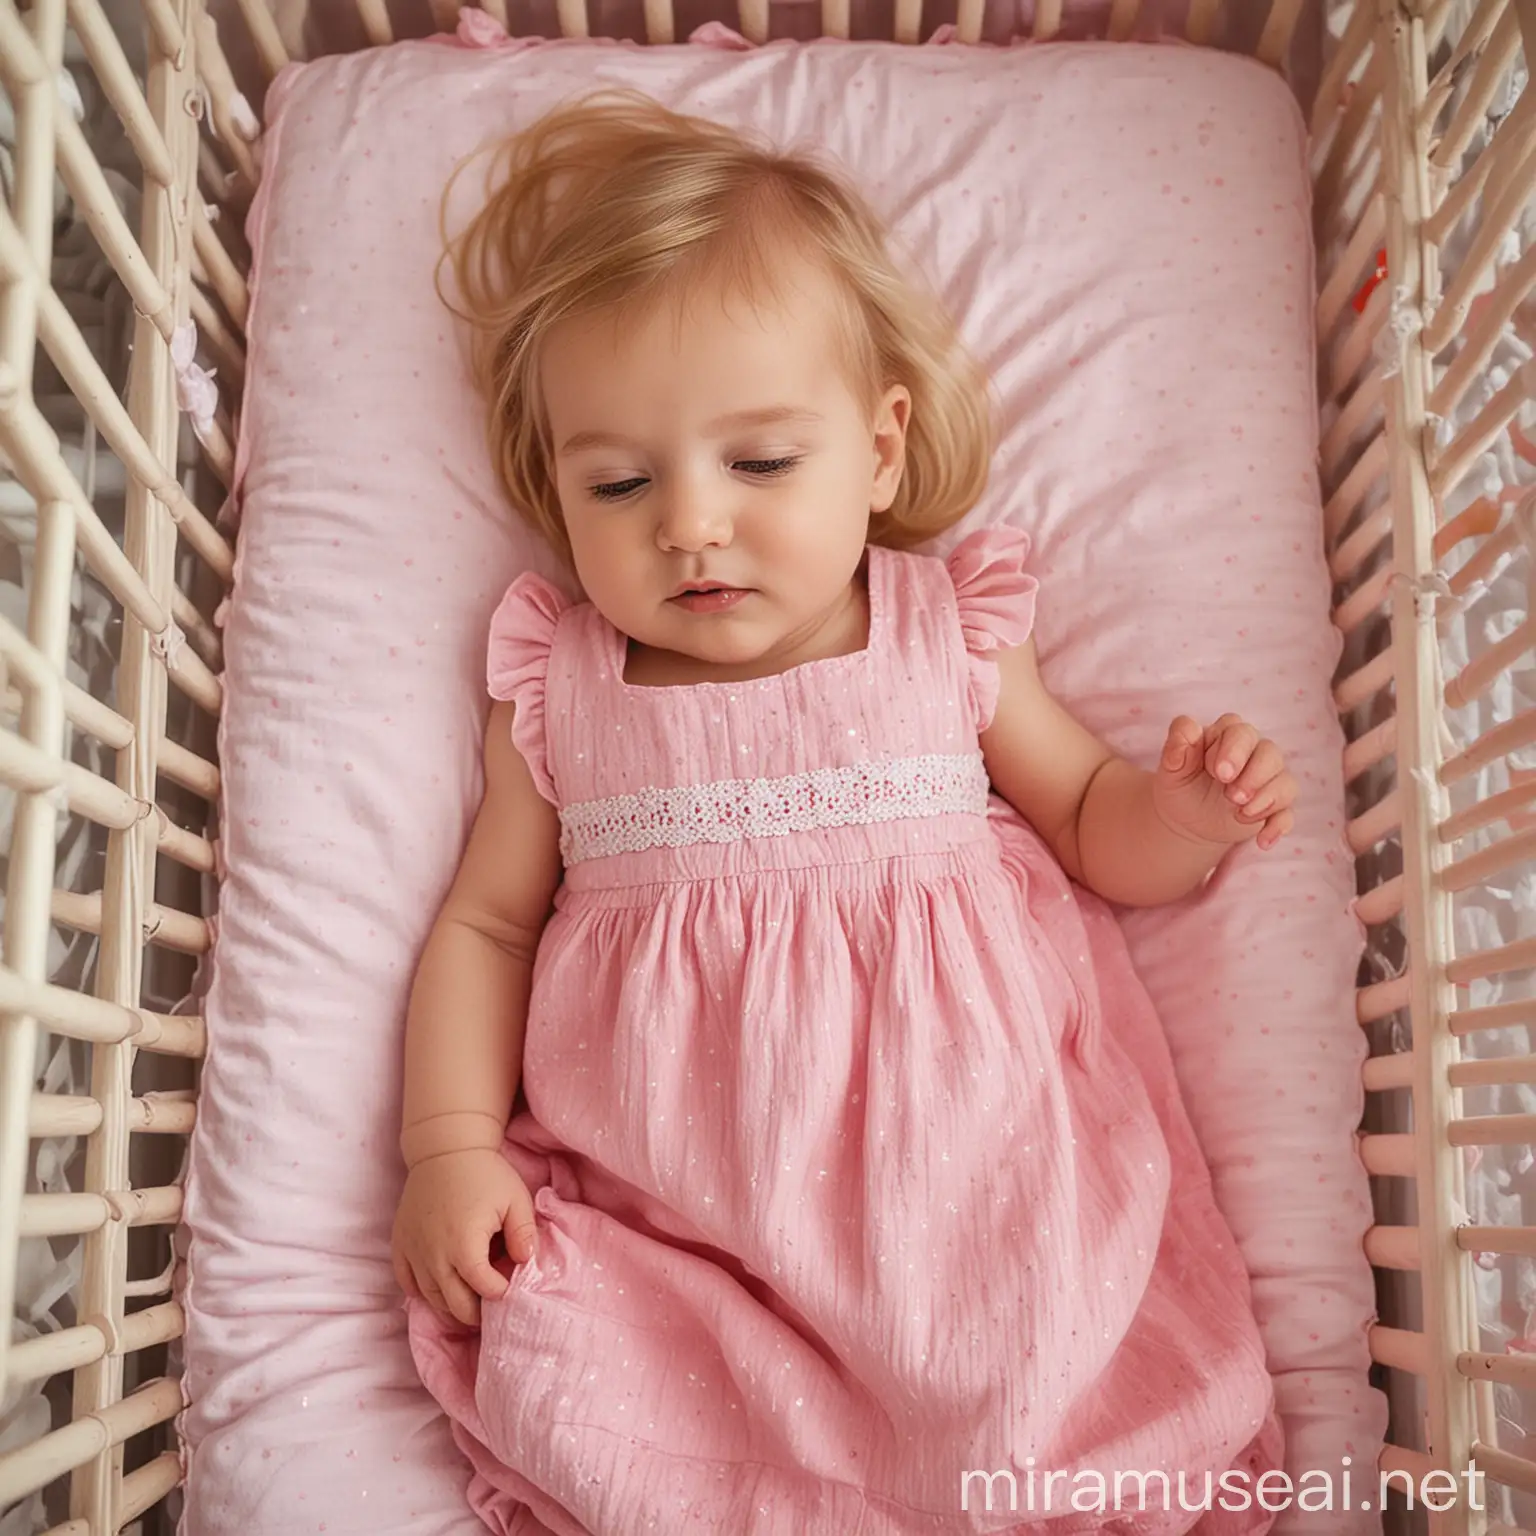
(890, 446)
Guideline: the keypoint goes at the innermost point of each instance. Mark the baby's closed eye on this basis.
(616, 490)
(766, 468)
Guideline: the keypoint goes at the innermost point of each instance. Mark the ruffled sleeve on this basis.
(996, 599)
(517, 666)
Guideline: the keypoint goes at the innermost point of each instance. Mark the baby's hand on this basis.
(450, 1210)
(1223, 784)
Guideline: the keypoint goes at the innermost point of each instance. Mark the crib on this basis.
(1424, 163)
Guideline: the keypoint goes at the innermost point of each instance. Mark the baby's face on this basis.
(716, 470)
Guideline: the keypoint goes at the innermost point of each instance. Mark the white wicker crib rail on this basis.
(1425, 151)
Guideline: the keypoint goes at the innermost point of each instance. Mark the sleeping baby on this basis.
(845, 1181)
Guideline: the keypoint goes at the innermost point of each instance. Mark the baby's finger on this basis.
(474, 1265)
(461, 1301)
(1275, 828)
(1229, 748)
(1218, 728)
(518, 1229)
(405, 1277)
(1278, 795)
(432, 1294)
(521, 1238)
(1181, 750)
(1262, 766)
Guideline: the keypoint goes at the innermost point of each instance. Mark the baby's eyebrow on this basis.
(764, 416)
(594, 440)
(768, 416)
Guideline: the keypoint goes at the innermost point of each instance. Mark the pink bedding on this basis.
(1124, 232)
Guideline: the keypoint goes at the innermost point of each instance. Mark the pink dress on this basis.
(857, 1155)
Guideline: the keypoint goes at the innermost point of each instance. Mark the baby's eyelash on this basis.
(616, 490)
(766, 467)
(762, 469)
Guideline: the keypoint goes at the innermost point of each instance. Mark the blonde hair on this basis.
(614, 200)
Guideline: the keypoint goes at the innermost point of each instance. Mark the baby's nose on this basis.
(692, 519)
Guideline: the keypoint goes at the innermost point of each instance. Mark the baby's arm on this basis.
(1135, 837)
(464, 1041)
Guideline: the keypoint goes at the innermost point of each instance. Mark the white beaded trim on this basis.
(733, 810)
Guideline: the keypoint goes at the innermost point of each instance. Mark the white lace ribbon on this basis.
(735, 810)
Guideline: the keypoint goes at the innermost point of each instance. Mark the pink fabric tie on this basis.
(196, 392)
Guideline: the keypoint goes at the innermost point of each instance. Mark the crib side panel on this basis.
(110, 688)
(1423, 129)
(260, 35)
